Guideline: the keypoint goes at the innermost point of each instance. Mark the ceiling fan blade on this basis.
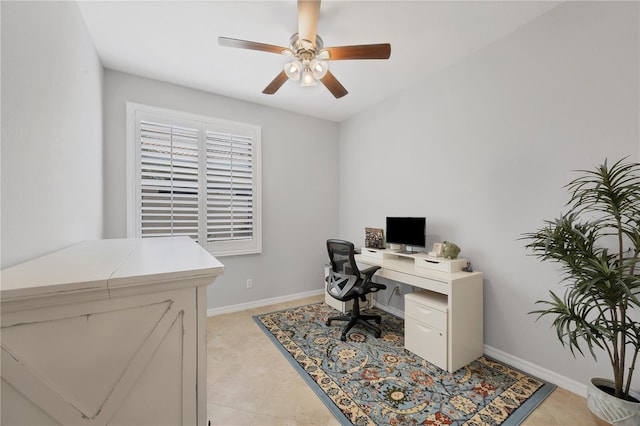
(308, 13)
(253, 45)
(360, 51)
(275, 84)
(334, 86)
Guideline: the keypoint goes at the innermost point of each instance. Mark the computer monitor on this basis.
(409, 231)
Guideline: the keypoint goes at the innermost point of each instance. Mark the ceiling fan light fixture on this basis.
(319, 68)
(307, 53)
(293, 70)
(307, 78)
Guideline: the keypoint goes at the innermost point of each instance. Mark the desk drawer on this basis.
(441, 264)
(426, 341)
(426, 314)
(428, 307)
(374, 253)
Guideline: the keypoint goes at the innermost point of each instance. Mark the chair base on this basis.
(356, 318)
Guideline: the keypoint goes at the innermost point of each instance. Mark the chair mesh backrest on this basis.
(344, 270)
(341, 255)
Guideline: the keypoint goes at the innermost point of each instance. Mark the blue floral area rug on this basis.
(369, 381)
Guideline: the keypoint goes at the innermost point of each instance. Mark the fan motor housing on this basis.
(303, 49)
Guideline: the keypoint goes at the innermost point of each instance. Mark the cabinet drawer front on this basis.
(427, 342)
(374, 253)
(434, 265)
(440, 264)
(426, 314)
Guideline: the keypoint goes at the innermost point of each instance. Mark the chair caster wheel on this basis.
(343, 338)
(378, 335)
(328, 323)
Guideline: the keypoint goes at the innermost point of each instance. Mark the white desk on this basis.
(107, 332)
(447, 315)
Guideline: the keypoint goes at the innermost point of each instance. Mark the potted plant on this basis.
(596, 243)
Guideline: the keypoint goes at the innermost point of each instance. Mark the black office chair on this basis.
(346, 282)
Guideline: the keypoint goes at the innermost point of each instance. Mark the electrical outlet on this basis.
(249, 283)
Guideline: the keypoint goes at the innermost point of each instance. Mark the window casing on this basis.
(193, 176)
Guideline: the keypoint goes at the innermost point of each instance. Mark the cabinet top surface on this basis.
(106, 264)
(404, 263)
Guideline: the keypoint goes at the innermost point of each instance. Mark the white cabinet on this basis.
(107, 332)
(425, 329)
(443, 323)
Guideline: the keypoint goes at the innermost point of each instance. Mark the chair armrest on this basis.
(368, 285)
(368, 273)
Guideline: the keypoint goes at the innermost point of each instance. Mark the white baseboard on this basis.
(537, 371)
(264, 302)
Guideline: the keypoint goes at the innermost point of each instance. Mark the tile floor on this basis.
(251, 383)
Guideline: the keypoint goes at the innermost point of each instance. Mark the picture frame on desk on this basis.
(374, 238)
(436, 250)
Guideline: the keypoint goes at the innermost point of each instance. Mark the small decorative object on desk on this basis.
(436, 250)
(450, 250)
(468, 268)
(373, 238)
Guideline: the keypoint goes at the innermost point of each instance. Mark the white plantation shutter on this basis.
(229, 187)
(168, 180)
(194, 176)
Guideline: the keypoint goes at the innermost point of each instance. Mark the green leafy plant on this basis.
(596, 242)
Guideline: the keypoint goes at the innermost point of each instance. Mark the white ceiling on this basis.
(176, 42)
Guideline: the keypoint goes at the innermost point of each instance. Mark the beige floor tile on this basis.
(563, 408)
(225, 416)
(267, 420)
(294, 396)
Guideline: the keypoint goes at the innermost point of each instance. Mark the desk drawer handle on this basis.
(425, 329)
(429, 330)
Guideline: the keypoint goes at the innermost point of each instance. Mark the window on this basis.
(193, 176)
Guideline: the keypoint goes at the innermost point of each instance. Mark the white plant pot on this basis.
(611, 409)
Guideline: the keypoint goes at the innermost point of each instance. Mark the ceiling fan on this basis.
(308, 53)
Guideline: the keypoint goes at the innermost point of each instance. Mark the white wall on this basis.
(51, 130)
(483, 148)
(299, 186)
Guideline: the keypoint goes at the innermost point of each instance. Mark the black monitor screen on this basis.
(409, 231)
